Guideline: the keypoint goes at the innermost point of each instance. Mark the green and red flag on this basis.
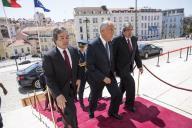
(11, 3)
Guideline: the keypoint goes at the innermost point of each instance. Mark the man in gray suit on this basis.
(100, 70)
(60, 66)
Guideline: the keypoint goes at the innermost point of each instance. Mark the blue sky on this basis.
(63, 9)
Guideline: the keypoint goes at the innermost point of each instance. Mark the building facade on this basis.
(88, 20)
(172, 23)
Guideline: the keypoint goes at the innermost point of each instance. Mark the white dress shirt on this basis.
(68, 53)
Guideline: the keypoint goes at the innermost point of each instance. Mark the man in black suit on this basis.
(125, 50)
(100, 70)
(60, 66)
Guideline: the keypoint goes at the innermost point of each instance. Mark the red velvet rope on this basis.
(165, 81)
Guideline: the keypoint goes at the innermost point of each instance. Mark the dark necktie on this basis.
(107, 49)
(129, 45)
(67, 63)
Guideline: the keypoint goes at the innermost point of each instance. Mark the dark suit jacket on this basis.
(124, 59)
(56, 72)
(98, 64)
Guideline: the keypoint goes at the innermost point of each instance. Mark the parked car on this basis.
(14, 57)
(25, 62)
(146, 50)
(30, 75)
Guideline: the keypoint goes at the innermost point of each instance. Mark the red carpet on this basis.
(148, 115)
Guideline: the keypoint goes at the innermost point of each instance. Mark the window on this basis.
(81, 36)
(28, 49)
(120, 19)
(94, 20)
(102, 19)
(81, 29)
(126, 19)
(80, 21)
(114, 19)
(22, 50)
(15, 50)
(46, 48)
(97, 34)
(132, 19)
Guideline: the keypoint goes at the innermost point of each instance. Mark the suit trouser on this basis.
(1, 120)
(128, 84)
(97, 88)
(81, 89)
(70, 113)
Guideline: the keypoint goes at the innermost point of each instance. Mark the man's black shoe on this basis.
(132, 109)
(91, 114)
(116, 116)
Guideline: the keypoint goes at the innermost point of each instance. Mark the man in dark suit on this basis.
(60, 66)
(125, 50)
(82, 44)
(100, 70)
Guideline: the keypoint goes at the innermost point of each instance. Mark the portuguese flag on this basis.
(11, 3)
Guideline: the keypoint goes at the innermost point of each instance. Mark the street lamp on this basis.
(136, 18)
(86, 21)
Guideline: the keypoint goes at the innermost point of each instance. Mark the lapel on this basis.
(133, 44)
(125, 46)
(60, 58)
(102, 47)
(71, 51)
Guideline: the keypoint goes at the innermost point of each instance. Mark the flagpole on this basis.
(37, 27)
(7, 23)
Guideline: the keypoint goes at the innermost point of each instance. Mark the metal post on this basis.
(50, 103)
(187, 53)
(158, 62)
(16, 64)
(190, 51)
(168, 58)
(86, 21)
(138, 80)
(136, 18)
(180, 53)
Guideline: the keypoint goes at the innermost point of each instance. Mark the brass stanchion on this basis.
(36, 106)
(158, 62)
(187, 54)
(138, 80)
(52, 114)
(168, 58)
(180, 53)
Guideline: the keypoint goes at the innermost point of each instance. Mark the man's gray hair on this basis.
(105, 24)
(127, 25)
(57, 31)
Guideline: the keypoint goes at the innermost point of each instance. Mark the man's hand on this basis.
(61, 102)
(141, 70)
(78, 83)
(107, 80)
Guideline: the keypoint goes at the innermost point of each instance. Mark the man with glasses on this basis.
(125, 51)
